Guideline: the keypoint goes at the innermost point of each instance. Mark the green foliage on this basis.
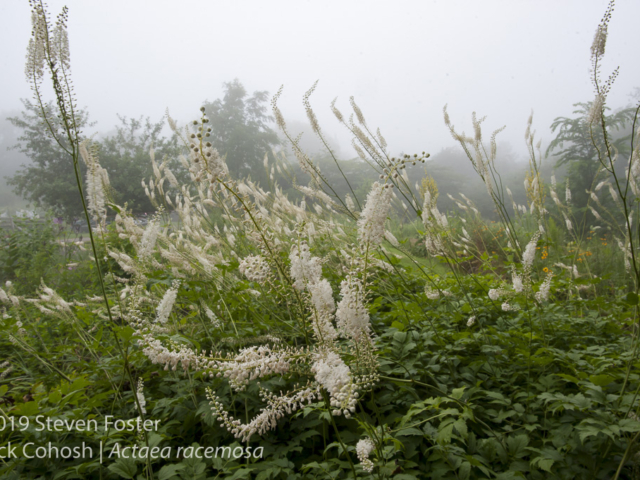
(36, 251)
(26, 252)
(48, 181)
(575, 147)
(125, 156)
(533, 394)
(240, 130)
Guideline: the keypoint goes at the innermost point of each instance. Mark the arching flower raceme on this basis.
(352, 315)
(166, 304)
(304, 268)
(530, 251)
(374, 214)
(148, 241)
(322, 299)
(335, 377)
(331, 372)
(545, 288)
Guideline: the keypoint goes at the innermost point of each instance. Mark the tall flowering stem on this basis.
(607, 153)
(48, 49)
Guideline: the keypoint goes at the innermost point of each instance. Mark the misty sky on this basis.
(401, 60)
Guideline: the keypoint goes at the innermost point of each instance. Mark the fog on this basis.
(402, 61)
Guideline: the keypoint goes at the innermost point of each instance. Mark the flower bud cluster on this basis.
(255, 268)
(507, 307)
(364, 448)
(253, 363)
(205, 161)
(496, 293)
(159, 354)
(267, 419)
(140, 395)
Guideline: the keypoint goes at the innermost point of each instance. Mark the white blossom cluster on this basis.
(304, 268)
(181, 355)
(166, 304)
(507, 307)
(8, 298)
(516, 280)
(434, 294)
(496, 293)
(213, 318)
(48, 302)
(8, 368)
(335, 376)
(253, 363)
(543, 293)
(267, 419)
(352, 315)
(36, 53)
(255, 268)
(431, 293)
(307, 273)
(322, 299)
(148, 242)
(364, 448)
(431, 214)
(529, 254)
(371, 222)
(318, 195)
(521, 282)
(391, 238)
(125, 261)
(140, 395)
(435, 224)
(97, 183)
(626, 251)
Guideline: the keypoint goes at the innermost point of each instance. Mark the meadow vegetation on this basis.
(340, 331)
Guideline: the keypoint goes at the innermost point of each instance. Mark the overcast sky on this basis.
(402, 60)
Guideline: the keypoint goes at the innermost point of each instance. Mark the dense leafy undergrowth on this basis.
(533, 394)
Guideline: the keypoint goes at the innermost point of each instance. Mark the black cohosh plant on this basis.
(309, 329)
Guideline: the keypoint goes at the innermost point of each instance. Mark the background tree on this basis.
(573, 147)
(10, 161)
(125, 156)
(240, 130)
(48, 181)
